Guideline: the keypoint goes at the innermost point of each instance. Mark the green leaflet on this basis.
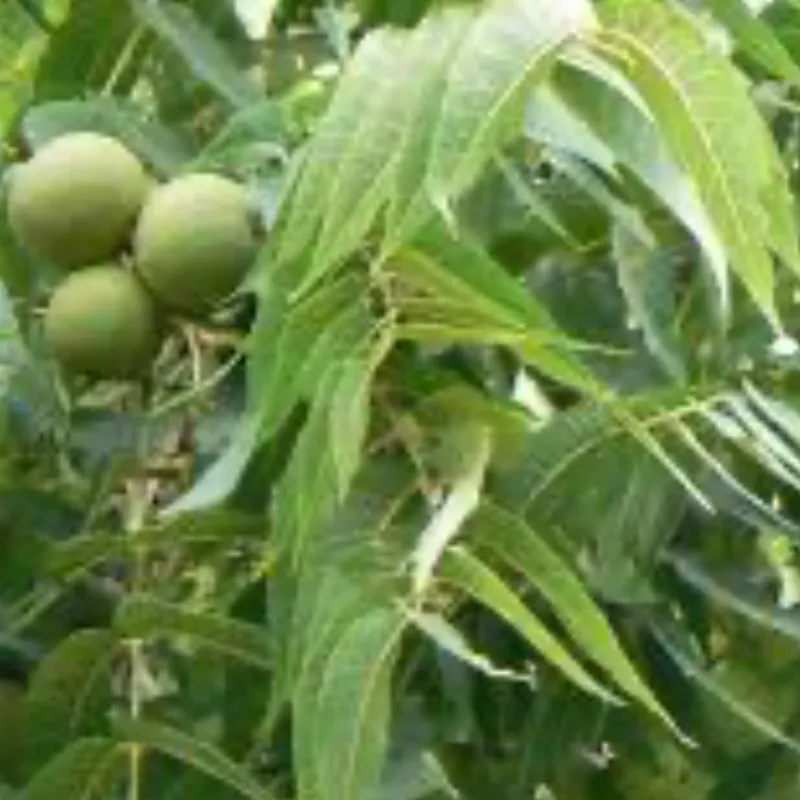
(340, 578)
(337, 605)
(598, 116)
(363, 172)
(142, 616)
(307, 204)
(87, 769)
(193, 752)
(472, 576)
(311, 333)
(350, 407)
(755, 38)
(678, 647)
(21, 39)
(702, 107)
(70, 692)
(735, 597)
(352, 730)
(457, 271)
(178, 26)
(510, 44)
(409, 204)
(83, 50)
(329, 450)
(511, 538)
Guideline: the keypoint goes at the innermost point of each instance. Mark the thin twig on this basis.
(200, 387)
(196, 353)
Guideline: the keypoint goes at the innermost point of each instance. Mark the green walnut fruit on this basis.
(195, 241)
(102, 322)
(76, 201)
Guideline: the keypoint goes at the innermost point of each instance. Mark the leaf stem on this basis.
(200, 387)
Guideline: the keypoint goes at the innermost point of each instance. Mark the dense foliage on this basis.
(486, 482)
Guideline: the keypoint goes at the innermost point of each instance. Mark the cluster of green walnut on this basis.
(136, 251)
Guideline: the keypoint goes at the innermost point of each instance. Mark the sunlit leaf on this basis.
(354, 706)
(352, 101)
(409, 205)
(695, 670)
(755, 38)
(361, 179)
(510, 44)
(701, 104)
(256, 16)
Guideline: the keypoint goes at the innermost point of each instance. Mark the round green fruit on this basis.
(102, 322)
(76, 201)
(195, 241)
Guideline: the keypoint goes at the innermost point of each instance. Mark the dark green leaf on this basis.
(153, 143)
(472, 576)
(84, 50)
(694, 669)
(195, 753)
(736, 596)
(644, 276)
(755, 38)
(208, 59)
(70, 693)
(511, 538)
(89, 769)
